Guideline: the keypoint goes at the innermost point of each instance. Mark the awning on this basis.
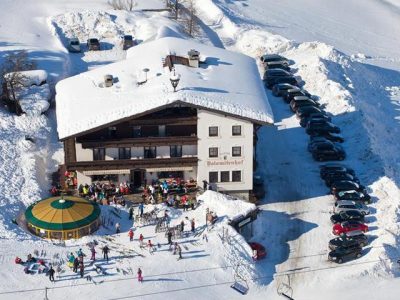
(106, 172)
(170, 169)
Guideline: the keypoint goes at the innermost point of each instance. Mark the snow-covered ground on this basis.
(347, 53)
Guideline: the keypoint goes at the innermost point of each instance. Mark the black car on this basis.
(315, 116)
(334, 167)
(127, 42)
(278, 89)
(271, 81)
(276, 65)
(346, 185)
(353, 196)
(321, 141)
(334, 137)
(276, 73)
(329, 180)
(266, 58)
(294, 105)
(348, 241)
(353, 215)
(290, 94)
(305, 111)
(93, 44)
(342, 254)
(314, 128)
(323, 152)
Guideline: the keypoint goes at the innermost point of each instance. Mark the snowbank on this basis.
(31, 77)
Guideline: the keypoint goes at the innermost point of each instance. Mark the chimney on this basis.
(108, 80)
(193, 56)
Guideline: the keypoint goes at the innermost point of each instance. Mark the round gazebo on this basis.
(63, 218)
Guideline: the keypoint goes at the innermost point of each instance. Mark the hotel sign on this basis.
(234, 162)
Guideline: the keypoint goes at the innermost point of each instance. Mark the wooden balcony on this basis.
(144, 163)
(141, 142)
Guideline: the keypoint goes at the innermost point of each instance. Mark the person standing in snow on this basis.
(182, 226)
(117, 228)
(192, 225)
(130, 234)
(151, 246)
(179, 252)
(169, 236)
(130, 212)
(175, 248)
(51, 273)
(141, 207)
(93, 251)
(141, 238)
(81, 269)
(139, 275)
(76, 264)
(105, 252)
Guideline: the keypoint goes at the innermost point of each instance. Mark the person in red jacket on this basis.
(139, 275)
(130, 234)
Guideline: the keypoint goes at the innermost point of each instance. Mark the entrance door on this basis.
(137, 177)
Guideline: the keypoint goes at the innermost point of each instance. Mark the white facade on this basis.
(224, 142)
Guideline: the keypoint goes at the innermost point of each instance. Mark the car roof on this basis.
(266, 56)
(348, 182)
(281, 85)
(345, 202)
(354, 233)
(297, 98)
(277, 70)
(349, 192)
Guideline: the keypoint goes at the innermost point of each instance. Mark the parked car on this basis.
(304, 112)
(314, 144)
(93, 44)
(315, 116)
(276, 65)
(330, 180)
(278, 89)
(314, 128)
(266, 58)
(346, 185)
(335, 172)
(353, 215)
(345, 205)
(334, 167)
(271, 81)
(342, 254)
(299, 98)
(334, 137)
(290, 94)
(276, 73)
(328, 151)
(349, 239)
(260, 250)
(127, 42)
(295, 104)
(74, 46)
(348, 226)
(353, 196)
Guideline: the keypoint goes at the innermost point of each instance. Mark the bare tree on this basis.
(122, 4)
(190, 18)
(12, 80)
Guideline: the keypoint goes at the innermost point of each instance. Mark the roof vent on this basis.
(194, 57)
(108, 80)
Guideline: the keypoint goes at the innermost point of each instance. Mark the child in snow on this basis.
(139, 275)
(141, 238)
(151, 246)
(93, 251)
(130, 234)
(117, 228)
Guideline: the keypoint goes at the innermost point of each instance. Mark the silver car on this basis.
(74, 45)
(345, 205)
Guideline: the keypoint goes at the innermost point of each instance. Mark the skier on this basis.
(51, 273)
(130, 213)
(105, 252)
(93, 251)
(169, 236)
(182, 226)
(139, 275)
(175, 248)
(192, 225)
(117, 228)
(71, 259)
(179, 252)
(141, 238)
(141, 207)
(76, 264)
(130, 234)
(80, 253)
(81, 269)
(151, 246)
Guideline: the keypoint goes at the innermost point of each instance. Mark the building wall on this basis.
(83, 154)
(224, 142)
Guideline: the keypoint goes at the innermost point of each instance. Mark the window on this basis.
(236, 176)
(150, 152)
(213, 152)
(124, 153)
(112, 132)
(175, 151)
(225, 176)
(137, 131)
(212, 177)
(237, 151)
(236, 130)
(99, 154)
(213, 131)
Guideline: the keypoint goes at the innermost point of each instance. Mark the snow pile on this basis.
(224, 205)
(34, 100)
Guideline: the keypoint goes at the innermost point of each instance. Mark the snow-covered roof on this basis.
(227, 82)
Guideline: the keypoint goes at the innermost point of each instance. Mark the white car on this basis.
(345, 205)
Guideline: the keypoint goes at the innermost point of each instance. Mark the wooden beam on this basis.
(142, 142)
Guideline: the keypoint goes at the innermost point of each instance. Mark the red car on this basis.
(259, 249)
(348, 226)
